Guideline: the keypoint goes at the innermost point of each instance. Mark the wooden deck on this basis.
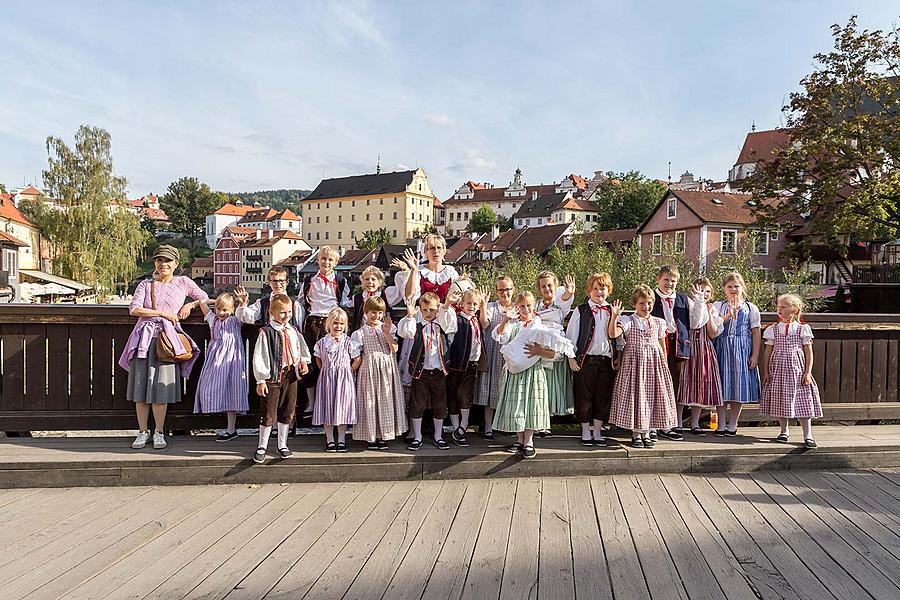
(799, 535)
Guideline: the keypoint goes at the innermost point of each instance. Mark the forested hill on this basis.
(277, 199)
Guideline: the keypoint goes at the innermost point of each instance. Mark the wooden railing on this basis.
(876, 274)
(58, 368)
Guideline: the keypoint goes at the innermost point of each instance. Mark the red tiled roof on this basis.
(287, 215)
(136, 203)
(5, 237)
(761, 145)
(506, 239)
(539, 239)
(578, 204)
(357, 256)
(233, 210)
(489, 195)
(457, 251)
(265, 240)
(718, 207)
(258, 214)
(580, 182)
(297, 258)
(202, 262)
(612, 236)
(9, 211)
(157, 214)
(31, 191)
(437, 203)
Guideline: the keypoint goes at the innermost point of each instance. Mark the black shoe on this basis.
(459, 437)
(698, 431)
(719, 433)
(372, 445)
(259, 457)
(515, 448)
(441, 444)
(226, 436)
(292, 432)
(342, 447)
(673, 434)
(730, 433)
(330, 447)
(285, 452)
(488, 435)
(414, 445)
(382, 445)
(649, 442)
(637, 443)
(810, 443)
(589, 442)
(653, 435)
(601, 442)
(529, 452)
(782, 438)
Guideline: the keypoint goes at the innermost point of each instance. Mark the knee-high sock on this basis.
(342, 433)
(464, 420)
(454, 420)
(264, 433)
(488, 419)
(329, 433)
(585, 431)
(438, 429)
(282, 434)
(417, 428)
(598, 429)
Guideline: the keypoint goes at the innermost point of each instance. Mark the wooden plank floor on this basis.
(823, 535)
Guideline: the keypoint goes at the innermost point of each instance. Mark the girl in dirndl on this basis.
(223, 381)
(380, 406)
(338, 357)
(789, 391)
(555, 304)
(700, 386)
(487, 390)
(643, 396)
(737, 350)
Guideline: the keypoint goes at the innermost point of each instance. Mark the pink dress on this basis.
(784, 394)
(643, 397)
(336, 389)
(700, 384)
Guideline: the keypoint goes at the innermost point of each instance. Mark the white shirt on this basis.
(637, 322)
(262, 355)
(357, 336)
(731, 325)
(251, 313)
(321, 294)
(805, 331)
(444, 321)
(475, 325)
(558, 309)
(599, 345)
(697, 317)
(326, 345)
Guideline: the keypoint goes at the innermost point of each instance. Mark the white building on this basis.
(226, 216)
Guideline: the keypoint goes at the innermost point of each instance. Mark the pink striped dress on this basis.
(700, 384)
(336, 389)
(223, 380)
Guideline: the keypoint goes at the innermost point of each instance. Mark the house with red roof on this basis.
(226, 216)
(261, 251)
(227, 257)
(759, 147)
(22, 229)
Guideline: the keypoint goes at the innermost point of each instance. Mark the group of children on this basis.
(516, 357)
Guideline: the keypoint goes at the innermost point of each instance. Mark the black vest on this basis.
(457, 358)
(264, 316)
(338, 290)
(417, 353)
(682, 315)
(586, 326)
(358, 303)
(273, 337)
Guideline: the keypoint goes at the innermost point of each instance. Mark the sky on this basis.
(251, 95)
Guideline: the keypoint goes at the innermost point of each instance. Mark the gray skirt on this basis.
(153, 382)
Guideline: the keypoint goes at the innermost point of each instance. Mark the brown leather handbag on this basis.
(165, 349)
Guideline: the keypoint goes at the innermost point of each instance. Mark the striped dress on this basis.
(380, 406)
(223, 380)
(643, 396)
(335, 390)
(700, 384)
(734, 345)
(559, 375)
(487, 391)
(523, 396)
(784, 394)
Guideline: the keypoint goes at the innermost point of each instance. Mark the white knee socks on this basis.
(264, 433)
(417, 428)
(282, 434)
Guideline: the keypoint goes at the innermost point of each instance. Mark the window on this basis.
(353, 202)
(395, 215)
(728, 243)
(340, 235)
(761, 243)
(395, 233)
(317, 220)
(451, 216)
(679, 241)
(773, 237)
(671, 207)
(317, 235)
(381, 201)
(381, 216)
(572, 217)
(352, 234)
(368, 202)
(540, 221)
(656, 246)
(339, 218)
(467, 216)
(367, 216)
(308, 235)
(352, 218)
(326, 218)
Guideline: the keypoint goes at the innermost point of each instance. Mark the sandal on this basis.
(330, 447)
(810, 443)
(342, 447)
(488, 435)
(698, 431)
(515, 448)
(529, 452)
(285, 453)
(782, 438)
(649, 442)
(259, 457)
(637, 443)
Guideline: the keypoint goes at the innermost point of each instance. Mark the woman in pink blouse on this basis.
(151, 383)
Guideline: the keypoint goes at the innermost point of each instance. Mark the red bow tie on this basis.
(596, 309)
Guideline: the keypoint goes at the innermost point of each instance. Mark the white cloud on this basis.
(472, 160)
(438, 119)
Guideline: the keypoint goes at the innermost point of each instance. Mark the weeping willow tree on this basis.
(93, 238)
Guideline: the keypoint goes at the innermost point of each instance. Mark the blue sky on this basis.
(261, 95)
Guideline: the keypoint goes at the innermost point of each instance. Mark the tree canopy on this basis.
(373, 238)
(626, 199)
(841, 165)
(483, 220)
(93, 238)
(187, 202)
(277, 199)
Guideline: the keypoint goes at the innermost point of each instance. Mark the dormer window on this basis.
(671, 207)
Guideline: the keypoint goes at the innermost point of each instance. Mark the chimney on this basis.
(258, 234)
(495, 232)
(270, 234)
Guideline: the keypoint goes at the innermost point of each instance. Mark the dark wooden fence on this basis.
(58, 368)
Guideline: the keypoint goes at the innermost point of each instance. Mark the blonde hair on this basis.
(333, 315)
(641, 292)
(428, 298)
(435, 239)
(603, 277)
(471, 293)
(735, 276)
(225, 298)
(329, 250)
(280, 300)
(524, 296)
(374, 271)
(547, 275)
(373, 303)
(792, 300)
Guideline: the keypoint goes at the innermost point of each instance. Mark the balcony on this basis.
(253, 257)
(254, 269)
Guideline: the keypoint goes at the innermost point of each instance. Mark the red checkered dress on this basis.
(784, 396)
(380, 405)
(643, 397)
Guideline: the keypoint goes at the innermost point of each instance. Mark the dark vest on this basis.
(264, 303)
(586, 326)
(417, 353)
(682, 314)
(339, 289)
(273, 337)
(358, 302)
(457, 358)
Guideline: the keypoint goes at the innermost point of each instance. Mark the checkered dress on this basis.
(643, 397)
(784, 395)
(700, 384)
(487, 390)
(380, 406)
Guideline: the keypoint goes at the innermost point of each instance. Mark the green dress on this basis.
(524, 397)
(559, 375)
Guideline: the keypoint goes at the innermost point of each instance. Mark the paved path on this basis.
(799, 535)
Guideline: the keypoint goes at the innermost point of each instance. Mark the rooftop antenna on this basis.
(753, 125)
(670, 172)
(378, 166)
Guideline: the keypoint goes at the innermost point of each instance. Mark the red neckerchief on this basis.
(366, 295)
(787, 324)
(331, 282)
(476, 328)
(546, 304)
(287, 353)
(525, 324)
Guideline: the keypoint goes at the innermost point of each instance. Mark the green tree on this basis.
(483, 220)
(373, 238)
(93, 238)
(626, 199)
(3, 189)
(187, 202)
(841, 163)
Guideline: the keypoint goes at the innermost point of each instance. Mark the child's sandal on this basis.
(782, 438)
(342, 447)
(810, 443)
(330, 447)
(637, 443)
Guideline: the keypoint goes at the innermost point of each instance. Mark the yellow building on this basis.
(341, 210)
(261, 252)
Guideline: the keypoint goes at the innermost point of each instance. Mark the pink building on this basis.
(227, 257)
(706, 224)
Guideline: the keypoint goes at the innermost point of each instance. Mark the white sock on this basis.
(454, 420)
(438, 429)
(417, 428)
(264, 433)
(282, 434)
(329, 433)
(598, 429)
(342, 434)
(464, 421)
(585, 431)
(488, 419)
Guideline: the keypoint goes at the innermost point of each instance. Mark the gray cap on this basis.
(167, 252)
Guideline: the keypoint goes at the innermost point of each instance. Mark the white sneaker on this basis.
(159, 441)
(141, 440)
